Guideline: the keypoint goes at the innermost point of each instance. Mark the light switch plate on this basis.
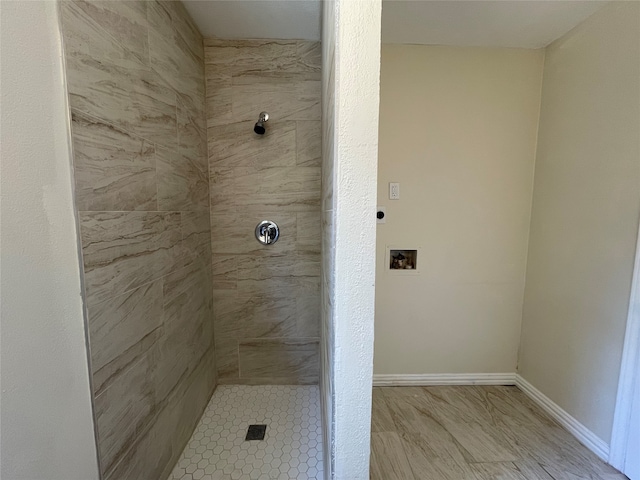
(394, 191)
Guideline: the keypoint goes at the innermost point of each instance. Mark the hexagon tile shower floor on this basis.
(292, 446)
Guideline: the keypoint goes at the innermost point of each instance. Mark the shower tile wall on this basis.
(266, 298)
(135, 74)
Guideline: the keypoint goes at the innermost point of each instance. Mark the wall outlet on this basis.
(394, 191)
(381, 214)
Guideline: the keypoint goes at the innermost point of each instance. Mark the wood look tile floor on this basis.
(473, 433)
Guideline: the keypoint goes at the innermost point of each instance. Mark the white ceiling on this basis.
(514, 23)
(491, 23)
(257, 18)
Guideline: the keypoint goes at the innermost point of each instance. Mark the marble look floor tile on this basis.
(309, 143)
(500, 470)
(388, 458)
(114, 170)
(122, 329)
(124, 250)
(440, 429)
(429, 459)
(381, 420)
(292, 448)
(182, 184)
(126, 22)
(296, 360)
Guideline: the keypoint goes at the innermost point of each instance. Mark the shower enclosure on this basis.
(170, 184)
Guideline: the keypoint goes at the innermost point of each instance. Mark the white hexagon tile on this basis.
(292, 446)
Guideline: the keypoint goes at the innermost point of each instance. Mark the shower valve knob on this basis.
(267, 232)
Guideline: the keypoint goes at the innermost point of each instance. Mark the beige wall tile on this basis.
(113, 169)
(121, 331)
(284, 359)
(182, 184)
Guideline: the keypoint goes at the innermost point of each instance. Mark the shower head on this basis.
(259, 126)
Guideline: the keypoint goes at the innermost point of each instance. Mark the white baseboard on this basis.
(432, 379)
(578, 430)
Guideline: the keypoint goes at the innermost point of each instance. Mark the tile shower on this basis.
(169, 185)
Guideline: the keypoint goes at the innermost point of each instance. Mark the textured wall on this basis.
(47, 423)
(466, 174)
(584, 223)
(267, 298)
(351, 35)
(136, 89)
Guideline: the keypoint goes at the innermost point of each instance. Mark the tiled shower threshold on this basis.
(292, 446)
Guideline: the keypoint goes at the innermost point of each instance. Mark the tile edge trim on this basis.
(577, 429)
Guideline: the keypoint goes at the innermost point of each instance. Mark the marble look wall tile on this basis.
(182, 184)
(263, 276)
(309, 146)
(226, 358)
(285, 359)
(170, 55)
(196, 236)
(264, 292)
(108, 81)
(122, 330)
(124, 250)
(236, 145)
(247, 316)
(184, 25)
(308, 315)
(235, 233)
(113, 169)
(126, 22)
(124, 410)
(218, 96)
(309, 56)
(225, 273)
(291, 189)
(188, 325)
(309, 234)
(192, 134)
(258, 56)
(284, 100)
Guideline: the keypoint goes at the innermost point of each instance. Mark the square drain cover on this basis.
(256, 432)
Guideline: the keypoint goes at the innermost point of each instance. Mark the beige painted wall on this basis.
(585, 216)
(458, 130)
(47, 423)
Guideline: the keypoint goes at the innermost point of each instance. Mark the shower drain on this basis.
(256, 432)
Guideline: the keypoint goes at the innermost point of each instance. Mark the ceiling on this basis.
(490, 23)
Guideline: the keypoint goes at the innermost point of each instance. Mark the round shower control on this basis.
(267, 232)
